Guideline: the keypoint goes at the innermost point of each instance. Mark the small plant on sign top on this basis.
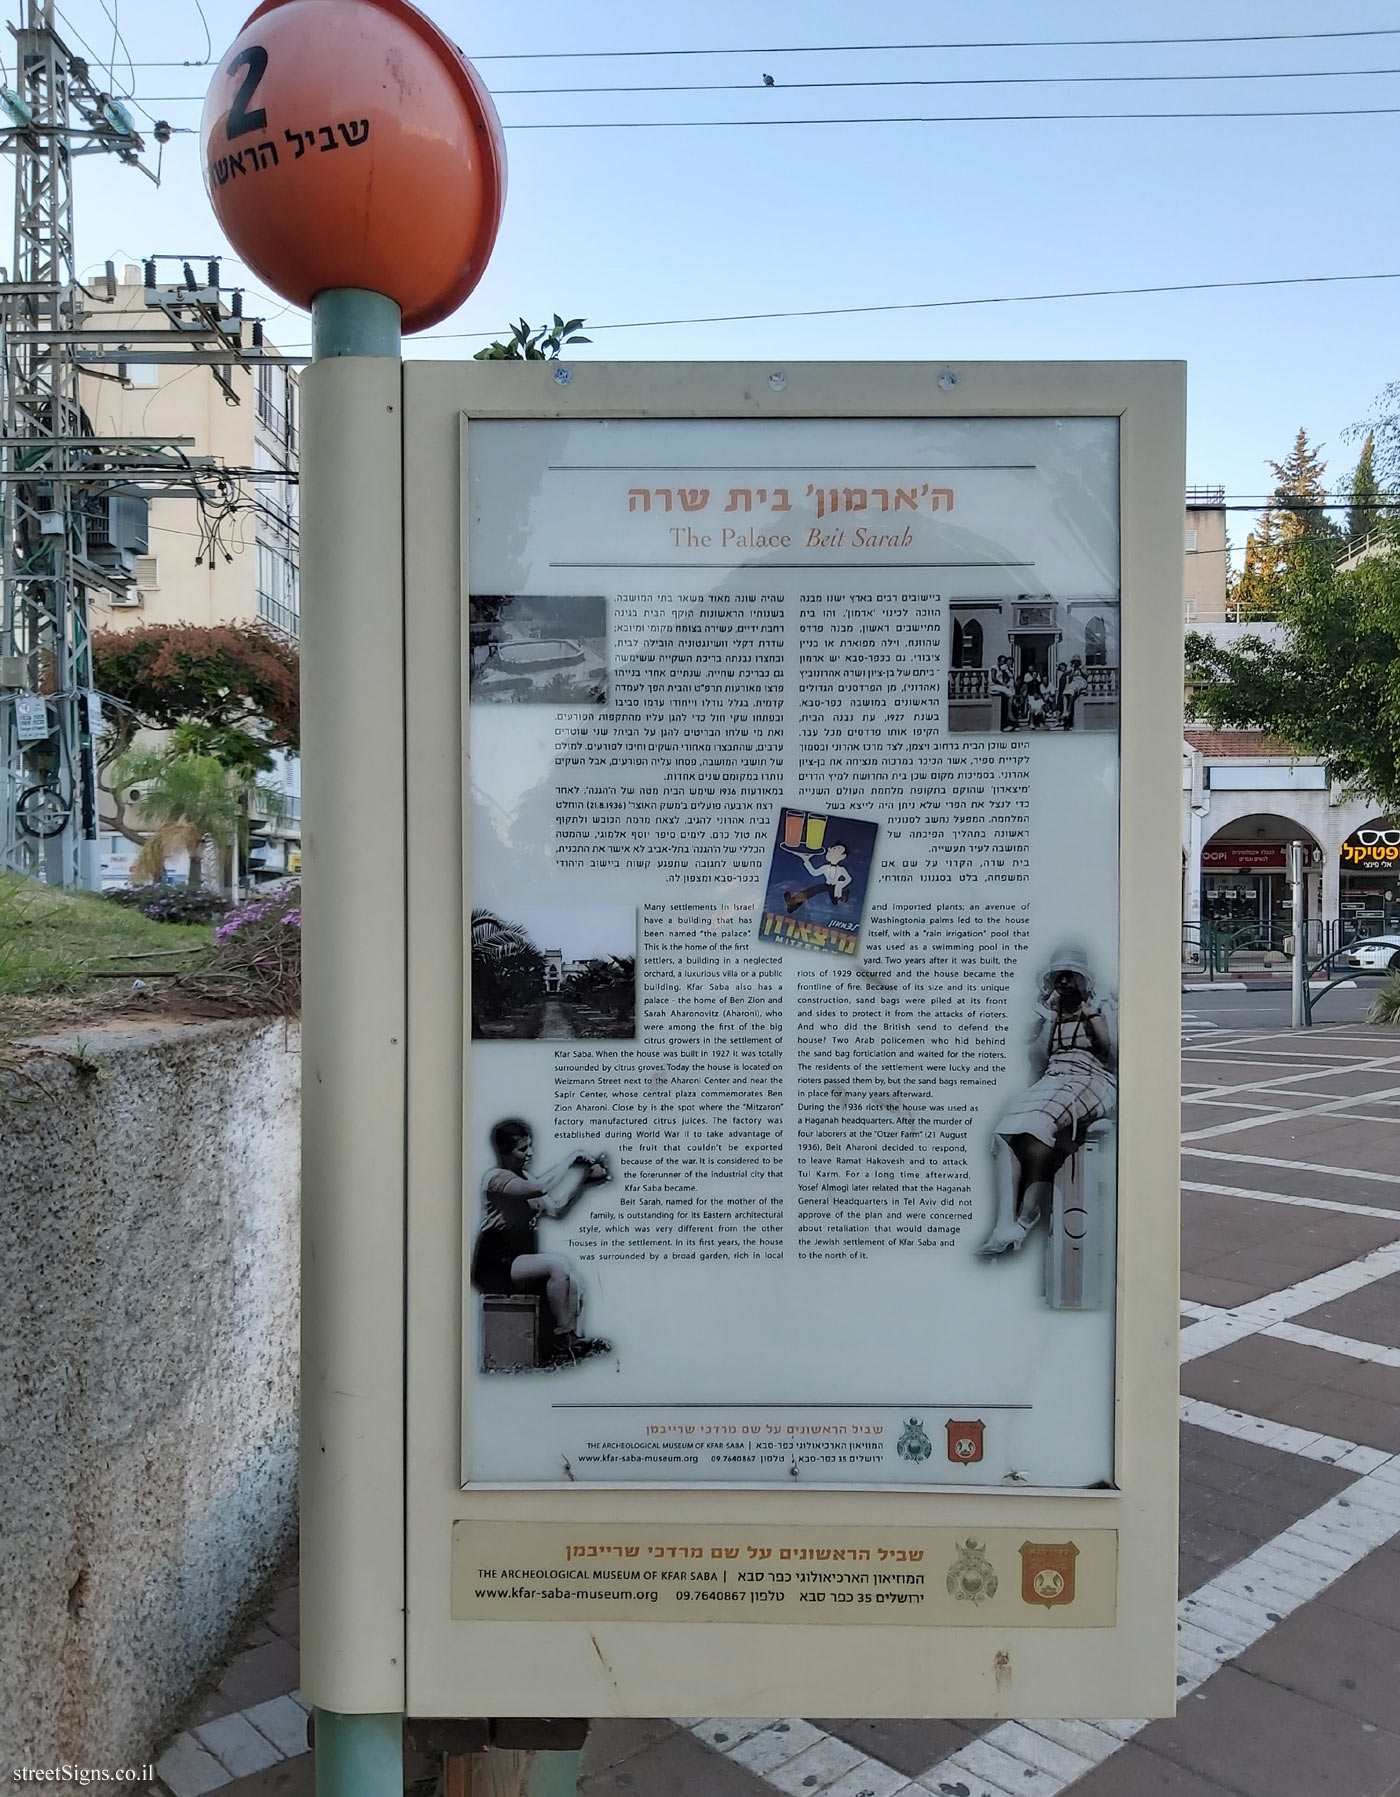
(534, 343)
(256, 963)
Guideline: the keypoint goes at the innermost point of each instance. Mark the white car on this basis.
(1374, 951)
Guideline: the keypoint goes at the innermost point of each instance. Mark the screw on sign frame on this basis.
(350, 144)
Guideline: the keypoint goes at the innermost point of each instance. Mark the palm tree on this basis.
(507, 970)
(188, 799)
(494, 939)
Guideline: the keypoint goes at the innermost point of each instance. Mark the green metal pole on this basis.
(554, 1775)
(350, 321)
(356, 1756)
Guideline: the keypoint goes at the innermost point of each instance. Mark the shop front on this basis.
(1369, 880)
(1244, 883)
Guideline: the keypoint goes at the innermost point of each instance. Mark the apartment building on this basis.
(1207, 564)
(252, 570)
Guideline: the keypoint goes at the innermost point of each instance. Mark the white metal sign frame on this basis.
(385, 716)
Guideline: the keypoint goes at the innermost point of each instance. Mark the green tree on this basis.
(1382, 425)
(1300, 494)
(231, 689)
(534, 343)
(1364, 511)
(1331, 687)
(187, 799)
(1253, 591)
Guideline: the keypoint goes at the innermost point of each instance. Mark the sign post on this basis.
(1297, 867)
(377, 214)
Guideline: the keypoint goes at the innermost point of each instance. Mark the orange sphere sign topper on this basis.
(347, 143)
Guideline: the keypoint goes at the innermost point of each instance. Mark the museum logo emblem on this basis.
(1047, 1572)
(972, 1577)
(914, 1443)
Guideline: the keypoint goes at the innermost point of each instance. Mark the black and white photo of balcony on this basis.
(539, 649)
(554, 973)
(1033, 663)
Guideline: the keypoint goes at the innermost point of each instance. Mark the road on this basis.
(1228, 1005)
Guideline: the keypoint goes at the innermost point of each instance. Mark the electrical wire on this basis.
(730, 87)
(1005, 299)
(208, 41)
(968, 118)
(1050, 43)
(127, 98)
(788, 87)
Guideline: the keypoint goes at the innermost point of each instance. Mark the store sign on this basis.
(1245, 857)
(1372, 851)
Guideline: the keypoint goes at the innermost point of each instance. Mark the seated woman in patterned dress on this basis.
(1073, 1055)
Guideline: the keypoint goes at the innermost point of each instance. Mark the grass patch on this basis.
(62, 942)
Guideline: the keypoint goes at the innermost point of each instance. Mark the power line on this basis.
(969, 118)
(729, 87)
(1033, 43)
(208, 41)
(748, 87)
(1050, 43)
(1004, 299)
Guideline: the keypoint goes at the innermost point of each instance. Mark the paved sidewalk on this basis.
(1289, 1631)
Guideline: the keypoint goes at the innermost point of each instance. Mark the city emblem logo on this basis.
(965, 1441)
(1047, 1572)
(972, 1577)
(914, 1443)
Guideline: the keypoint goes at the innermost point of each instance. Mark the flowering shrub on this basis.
(256, 964)
(280, 909)
(172, 904)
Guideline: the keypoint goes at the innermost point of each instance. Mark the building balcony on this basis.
(281, 617)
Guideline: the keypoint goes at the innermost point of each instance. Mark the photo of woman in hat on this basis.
(1073, 1055)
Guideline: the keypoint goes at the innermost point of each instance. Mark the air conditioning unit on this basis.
(118, 531)
(132, 598)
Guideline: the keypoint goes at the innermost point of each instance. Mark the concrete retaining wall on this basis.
(148, 1372)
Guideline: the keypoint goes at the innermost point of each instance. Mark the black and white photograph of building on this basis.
(553, 973)
(539, 649)
(1033, 663)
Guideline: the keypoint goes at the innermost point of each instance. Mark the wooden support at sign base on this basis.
(508, 1756)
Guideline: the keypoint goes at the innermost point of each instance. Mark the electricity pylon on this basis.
(48, 802)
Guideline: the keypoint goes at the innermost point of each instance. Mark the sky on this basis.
(627, 225)
(580, 932)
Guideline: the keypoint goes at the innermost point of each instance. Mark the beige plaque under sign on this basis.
(948, 1577)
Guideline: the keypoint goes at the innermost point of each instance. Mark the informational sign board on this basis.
(791, 1038)
(794, 970)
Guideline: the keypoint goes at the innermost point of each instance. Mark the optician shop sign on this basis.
(1372, 851)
